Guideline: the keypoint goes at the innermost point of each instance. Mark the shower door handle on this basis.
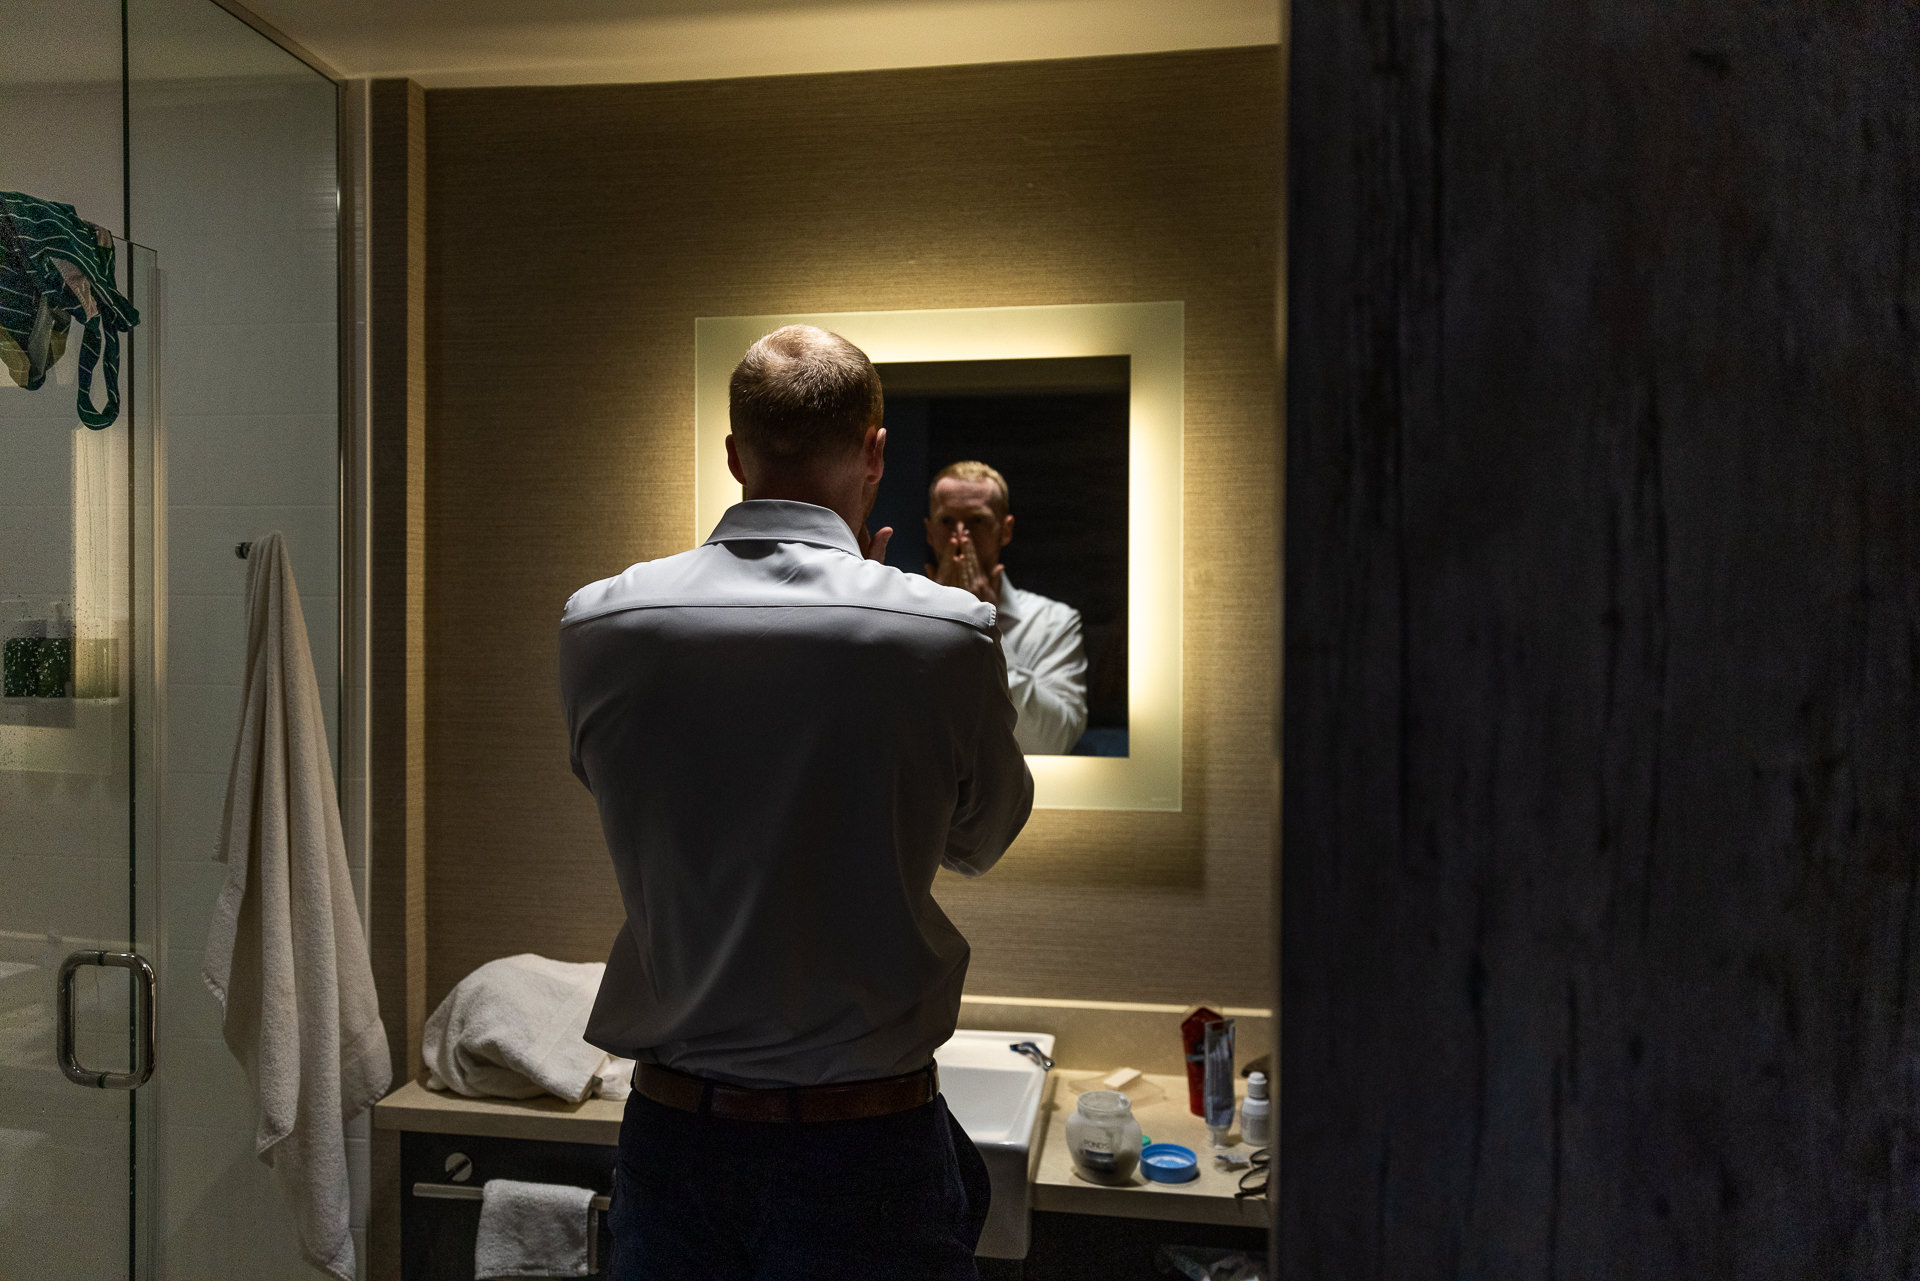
(144, 982)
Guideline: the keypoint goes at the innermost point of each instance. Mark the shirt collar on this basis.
(782, 520)
(1010, 598)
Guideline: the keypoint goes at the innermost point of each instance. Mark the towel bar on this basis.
(461, 1192)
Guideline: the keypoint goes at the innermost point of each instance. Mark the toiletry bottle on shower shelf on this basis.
(20, 656)
(1256, 1112)
(55, 676)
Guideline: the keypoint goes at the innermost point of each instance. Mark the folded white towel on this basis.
(515, 1028)
(531, 1230)
(615, 1080)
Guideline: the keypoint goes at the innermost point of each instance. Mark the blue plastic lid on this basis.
(1169, 1163)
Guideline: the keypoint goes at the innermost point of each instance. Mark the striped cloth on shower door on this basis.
(53, 264)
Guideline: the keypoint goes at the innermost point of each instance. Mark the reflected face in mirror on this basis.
(971, 509)
(976, 449)
(967, 525)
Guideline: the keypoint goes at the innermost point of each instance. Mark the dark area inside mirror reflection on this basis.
(1050, 440)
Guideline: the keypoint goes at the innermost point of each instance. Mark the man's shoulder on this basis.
(640, 584)
(712, 576)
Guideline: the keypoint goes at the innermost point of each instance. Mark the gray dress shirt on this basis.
(786, 741)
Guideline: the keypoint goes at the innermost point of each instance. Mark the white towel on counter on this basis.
(516, 1028)
(532, 1230)
(285, 953)
(615, 1080)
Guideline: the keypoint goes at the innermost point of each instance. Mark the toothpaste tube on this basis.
(1218, 1055)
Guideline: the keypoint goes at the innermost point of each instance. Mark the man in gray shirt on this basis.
(786, 739)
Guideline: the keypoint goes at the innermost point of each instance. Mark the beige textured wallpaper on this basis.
(573, 236)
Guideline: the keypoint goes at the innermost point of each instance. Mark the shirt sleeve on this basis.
(569, 705)
(1047, 679)
(996, 789)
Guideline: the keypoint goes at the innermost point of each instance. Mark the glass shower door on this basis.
(77, 1003)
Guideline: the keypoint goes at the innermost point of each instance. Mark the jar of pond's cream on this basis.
(1104, 1138)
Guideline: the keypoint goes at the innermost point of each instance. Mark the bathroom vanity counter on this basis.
(1057, 1186)
(414, 1107)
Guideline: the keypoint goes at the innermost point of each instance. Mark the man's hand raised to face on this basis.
(960, 567)
(874, 546)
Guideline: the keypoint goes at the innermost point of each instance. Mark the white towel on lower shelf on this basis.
(515, 1028)
(532, 1230)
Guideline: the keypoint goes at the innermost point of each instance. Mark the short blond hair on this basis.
(972, 470)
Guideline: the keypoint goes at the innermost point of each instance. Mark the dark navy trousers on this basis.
(888, 1198)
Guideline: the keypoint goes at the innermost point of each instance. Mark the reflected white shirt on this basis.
(1046, 669)
(785, 742)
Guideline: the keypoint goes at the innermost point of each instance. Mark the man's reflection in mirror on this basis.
(969, 523)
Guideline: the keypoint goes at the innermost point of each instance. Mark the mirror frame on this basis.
(1153, 335)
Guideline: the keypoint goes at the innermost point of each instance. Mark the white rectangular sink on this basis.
(995, 1095)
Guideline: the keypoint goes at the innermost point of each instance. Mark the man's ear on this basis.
(874, 454)
(1006, 529)
(733, 460)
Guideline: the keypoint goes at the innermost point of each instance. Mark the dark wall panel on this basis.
(1601, 733)
(397, 170)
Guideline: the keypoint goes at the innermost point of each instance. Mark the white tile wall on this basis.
(200, 542)
(270, 458)
(220, 362)
(191, 1012)
(36, 493)
(60, 132)
(190, 823)
(200, 726)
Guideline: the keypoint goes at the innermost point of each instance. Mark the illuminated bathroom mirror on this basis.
(1077, 411)
(1029, 458)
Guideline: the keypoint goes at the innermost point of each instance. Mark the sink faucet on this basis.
(1033, 1052)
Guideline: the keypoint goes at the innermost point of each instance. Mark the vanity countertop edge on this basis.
(414, 1107)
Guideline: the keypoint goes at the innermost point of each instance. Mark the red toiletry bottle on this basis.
(1193, 1042)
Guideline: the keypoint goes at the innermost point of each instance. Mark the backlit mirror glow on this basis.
(1077, 412)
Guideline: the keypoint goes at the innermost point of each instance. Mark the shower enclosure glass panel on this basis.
(77, 834)
(232, 172)
(175, 123)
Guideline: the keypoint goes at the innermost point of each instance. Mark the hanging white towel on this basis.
(532, 1230)
(285, 953)
(516, 1027)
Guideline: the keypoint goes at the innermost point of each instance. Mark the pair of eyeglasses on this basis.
(1254, 1181)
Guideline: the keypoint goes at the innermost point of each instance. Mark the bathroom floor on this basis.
(1080, 1247)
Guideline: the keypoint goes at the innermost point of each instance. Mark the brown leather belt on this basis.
(849, 1102)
